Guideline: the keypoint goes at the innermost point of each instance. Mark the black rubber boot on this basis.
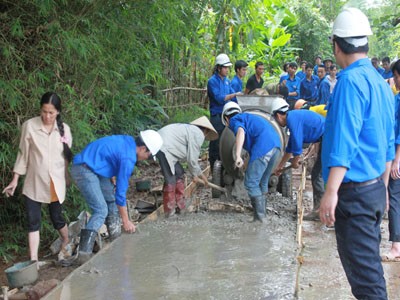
(86, 244)
(113, 224)
(258, 204)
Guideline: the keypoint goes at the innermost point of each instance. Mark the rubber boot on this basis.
(314, 214)
(180, 196)
(169, 200)
(258, 204)
(113, 224)
(86, 244)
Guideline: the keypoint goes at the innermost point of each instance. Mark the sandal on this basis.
(389, 257)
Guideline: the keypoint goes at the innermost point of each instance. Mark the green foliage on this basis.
(188, 114)
(250, 30)
(386, 28)
(106, 60)
(311, 33)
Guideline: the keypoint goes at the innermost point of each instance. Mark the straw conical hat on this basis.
(204, 122)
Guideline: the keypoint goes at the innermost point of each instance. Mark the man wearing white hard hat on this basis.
(93, 170)
(219, 92)
(182, 142)
(357, 150)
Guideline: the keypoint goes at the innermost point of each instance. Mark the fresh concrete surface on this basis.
(198, 256)
(321, 274)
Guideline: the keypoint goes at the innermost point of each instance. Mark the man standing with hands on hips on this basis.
(357, 151)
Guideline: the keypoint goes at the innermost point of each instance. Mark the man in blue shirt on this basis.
(293, 84)
(240, 69)
(318, 61)
(323, 86)
(284, 75)
(387, 72)
(375, 63)
(327, 63)
(309, 86)
(94, 170)
(219, 91)
(305, 127)
(394, 181)
(302, 73)
(258, 137)
(357, 150)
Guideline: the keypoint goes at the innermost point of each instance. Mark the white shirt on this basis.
(40, 158)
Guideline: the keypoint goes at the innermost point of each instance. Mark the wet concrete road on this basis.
(220, 256)
(321, 274)
(198, 256)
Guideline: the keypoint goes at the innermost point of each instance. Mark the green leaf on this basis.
(282, 40)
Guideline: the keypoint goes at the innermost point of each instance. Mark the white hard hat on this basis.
(351, 22)
(279, 105)
(152, 140)
(230, 108)
(223, 60)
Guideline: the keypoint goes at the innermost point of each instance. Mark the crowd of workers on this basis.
(359, 133)
(358, 160)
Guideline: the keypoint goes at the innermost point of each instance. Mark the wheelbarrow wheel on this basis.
(217, 178)
(285, 184)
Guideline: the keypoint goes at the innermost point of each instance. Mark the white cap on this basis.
(350, 23)
(223, 60)
(230, 108)
(152, 140)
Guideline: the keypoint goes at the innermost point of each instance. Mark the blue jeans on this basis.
(358, 218)
(394, 210)
(258, 173)
(98, 192)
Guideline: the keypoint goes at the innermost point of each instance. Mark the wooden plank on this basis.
(300, 208)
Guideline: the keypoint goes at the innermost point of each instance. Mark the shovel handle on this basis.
(214, 186)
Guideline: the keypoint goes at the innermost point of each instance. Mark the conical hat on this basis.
(204, 122)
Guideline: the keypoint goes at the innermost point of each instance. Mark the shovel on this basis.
(217, 187)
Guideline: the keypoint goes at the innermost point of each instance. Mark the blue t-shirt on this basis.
(387, 75)
(397, 120)
(217, 89)
(359, 127)
(293, 85)
(237, 84)
(305, 127)
(309, 88)
(324, 91)
(301, 75)
(380, 70)
(111, 156)
(260, 136)
(283, 77)
(315, 70)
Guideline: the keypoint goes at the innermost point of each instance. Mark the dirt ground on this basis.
(148, 201)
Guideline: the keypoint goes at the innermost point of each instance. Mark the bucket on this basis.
(22, 273)
(143, 185)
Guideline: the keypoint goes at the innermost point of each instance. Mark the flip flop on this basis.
(388, 257)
